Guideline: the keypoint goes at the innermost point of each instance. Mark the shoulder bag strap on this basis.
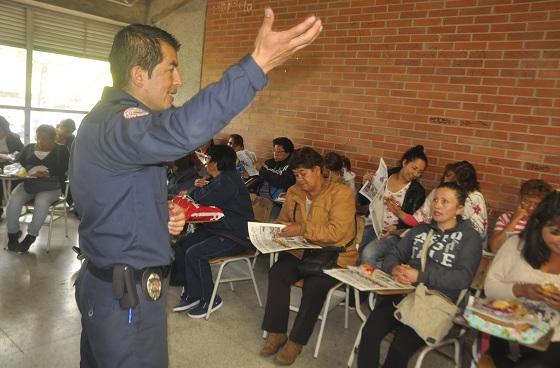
(425, 247)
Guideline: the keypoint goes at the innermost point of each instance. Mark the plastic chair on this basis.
(223, 262)
(261, 210)
(57, 210)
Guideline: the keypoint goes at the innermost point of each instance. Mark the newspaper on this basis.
(248, 159)
(363, 281)
(202, 157)
(264, 238)
(370, 188)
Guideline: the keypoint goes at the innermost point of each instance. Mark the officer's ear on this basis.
(138, 76)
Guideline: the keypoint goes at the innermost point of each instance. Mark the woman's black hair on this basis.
(285, 142)
(224, 156)
(68, 123)
(465, 176)
(535, 251)
(333, 161)
(237, 140)
(48, 130)
(460, 193)
(4, 125)
(414, 153)
(306, 158)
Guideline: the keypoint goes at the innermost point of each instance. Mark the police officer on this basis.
(119, 187)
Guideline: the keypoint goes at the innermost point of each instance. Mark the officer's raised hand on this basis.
(274, 48)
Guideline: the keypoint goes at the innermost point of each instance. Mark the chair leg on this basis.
(51, 210)
(356, 345)
(323, 321)
(254, 282)
(215, 290)
(231, 286)
(346, 305)
(65, 218)
(457, 355)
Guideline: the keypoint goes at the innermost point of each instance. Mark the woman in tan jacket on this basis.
(323, 212)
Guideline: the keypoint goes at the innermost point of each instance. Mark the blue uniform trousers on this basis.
(108, 339)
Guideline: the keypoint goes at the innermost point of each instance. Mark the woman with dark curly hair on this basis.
(527, 267)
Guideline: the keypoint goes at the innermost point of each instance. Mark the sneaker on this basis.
(186, 303)
(201, 310)
(24, 245)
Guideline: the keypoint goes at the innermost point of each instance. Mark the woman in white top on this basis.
(521, 268)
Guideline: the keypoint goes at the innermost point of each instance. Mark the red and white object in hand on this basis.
(195, 212)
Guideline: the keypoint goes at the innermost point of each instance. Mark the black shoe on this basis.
(13, 241)
(23, 247)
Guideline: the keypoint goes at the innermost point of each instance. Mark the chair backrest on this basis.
(262, 207)
(360, 227)
(478, 281)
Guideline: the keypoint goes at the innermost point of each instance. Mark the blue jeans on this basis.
(192, 253)
(41, 204)
(376, 249)
(368, 237)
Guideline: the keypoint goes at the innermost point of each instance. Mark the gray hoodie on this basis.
(452, 260)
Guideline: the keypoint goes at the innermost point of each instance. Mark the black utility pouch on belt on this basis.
(124, 286)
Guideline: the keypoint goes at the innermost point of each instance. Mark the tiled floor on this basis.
(40, 324)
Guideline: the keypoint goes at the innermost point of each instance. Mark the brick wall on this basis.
(475, 80)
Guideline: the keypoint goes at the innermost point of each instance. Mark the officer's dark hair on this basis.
(68, 123)
(47, 130)
(535, 251)
(5, 125)
(137, 44)
(237, 140)
(306, 158)
(460, 193)
(414, 153)
(285, 143)
(224, 156)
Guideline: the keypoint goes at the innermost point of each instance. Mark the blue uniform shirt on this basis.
(116, 177)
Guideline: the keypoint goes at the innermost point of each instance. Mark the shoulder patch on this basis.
(134, 112)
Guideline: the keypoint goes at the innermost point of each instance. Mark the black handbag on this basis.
(314, 261)
(34, 186)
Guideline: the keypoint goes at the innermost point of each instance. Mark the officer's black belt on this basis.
(106, 274)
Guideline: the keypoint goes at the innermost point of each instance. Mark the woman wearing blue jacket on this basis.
(226, 237)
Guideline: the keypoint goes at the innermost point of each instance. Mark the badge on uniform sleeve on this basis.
(152, 285)
(134, 112)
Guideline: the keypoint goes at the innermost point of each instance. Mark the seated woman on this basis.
(511, 223)
(464, 174)
(47, 161)
(275, 175)
(451, 263)
(182, 173)
(402, 189)
(245, 161)
(323, 212)
(226, 237)
(521, 268)
(9, 143)
(338, 167)
(65, 133)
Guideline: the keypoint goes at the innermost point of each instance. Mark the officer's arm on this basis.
(170, 134)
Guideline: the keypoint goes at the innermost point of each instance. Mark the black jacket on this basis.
(277, 174)
(227, 192)
(413, 199)
(56, 161)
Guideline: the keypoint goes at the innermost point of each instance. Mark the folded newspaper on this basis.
(363, 280)
(264, 237)
(370, 188)
(248, 159)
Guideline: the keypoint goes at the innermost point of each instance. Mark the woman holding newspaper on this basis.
(401, 188)
(453, 255)
(323, 212)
